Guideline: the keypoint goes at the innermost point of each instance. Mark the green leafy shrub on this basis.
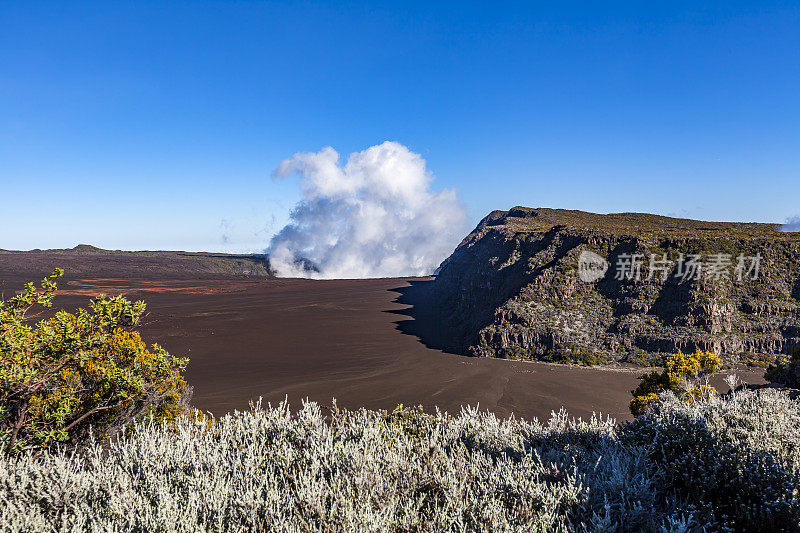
(72, 371)
(685, 375)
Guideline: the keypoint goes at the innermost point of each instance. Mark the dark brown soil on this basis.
(354, 340)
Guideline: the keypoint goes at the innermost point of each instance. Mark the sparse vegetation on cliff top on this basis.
(512, 289)
(530, 219)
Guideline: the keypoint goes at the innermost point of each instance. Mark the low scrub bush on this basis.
(685, 375)
(64, 374)
(735, 464)
(723, 464)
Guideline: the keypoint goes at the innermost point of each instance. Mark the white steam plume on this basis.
(373, 217)
(793, 224)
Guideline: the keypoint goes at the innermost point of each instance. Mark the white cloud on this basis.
(376, 216)
(793, 224)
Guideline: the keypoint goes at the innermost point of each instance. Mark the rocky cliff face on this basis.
(573, 286)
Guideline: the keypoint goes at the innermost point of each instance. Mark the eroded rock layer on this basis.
(513, 288)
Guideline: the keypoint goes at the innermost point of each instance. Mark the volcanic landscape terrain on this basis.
(368, 343)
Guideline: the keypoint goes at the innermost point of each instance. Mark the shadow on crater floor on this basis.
(424, 316)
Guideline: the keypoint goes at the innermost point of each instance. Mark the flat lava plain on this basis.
(358, 341)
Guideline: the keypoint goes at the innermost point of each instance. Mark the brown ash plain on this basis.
(371, 343)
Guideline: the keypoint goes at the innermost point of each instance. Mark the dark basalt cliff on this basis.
(513, 288)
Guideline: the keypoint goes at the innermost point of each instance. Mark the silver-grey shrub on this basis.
(270, 470)
(734, 462)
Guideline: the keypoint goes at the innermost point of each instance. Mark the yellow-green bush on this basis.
(684, 375)
(72, 371)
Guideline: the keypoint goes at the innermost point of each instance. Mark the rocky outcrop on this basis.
(572, 286)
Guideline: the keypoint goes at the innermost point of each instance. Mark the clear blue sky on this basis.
(142, 125)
